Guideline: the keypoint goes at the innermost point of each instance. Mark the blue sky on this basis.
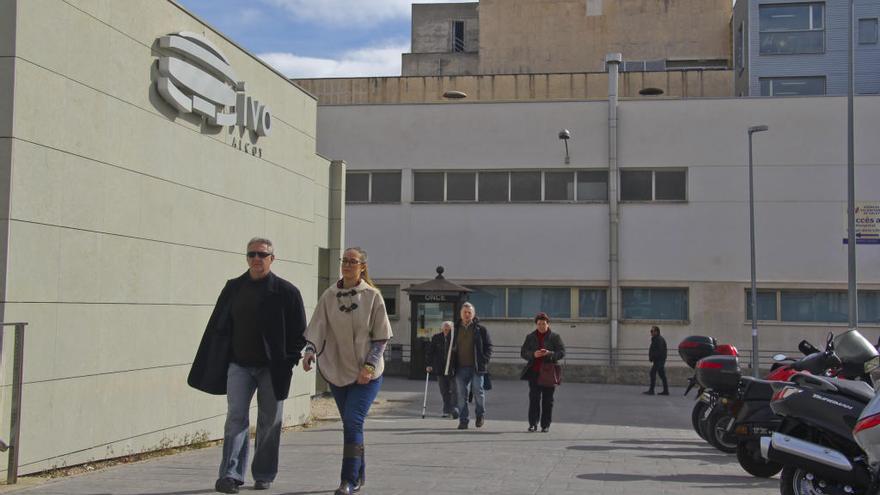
(316, 38)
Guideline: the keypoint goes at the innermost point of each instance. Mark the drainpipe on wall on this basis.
(336, 220)
(612, 64)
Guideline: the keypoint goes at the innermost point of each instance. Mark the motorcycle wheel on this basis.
(717, 434)
(749, 456)
(696, 415)
(794, 481)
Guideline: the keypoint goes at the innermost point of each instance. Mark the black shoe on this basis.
(533, 428)
(665, 392)
(454, 414)
(648, 392)
(262, 485)
(226, 485)
(545, 429)
(444, 415)
(462, 425)
(479, 422)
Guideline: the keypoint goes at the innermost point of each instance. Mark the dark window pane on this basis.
(592, 185)
(357, 187)
(671, 185)
(785, 17)
(488, 301)
(558, 186)
(460, 186)
(792, 86)
(869, 306)
(739, 48)
(784, 43)
(525, 186)
(428, 186)
(527, 302)
(766, 305)
(814, 306)
(389, 295)
(655, 304)
(457, 36)
(635, 185)
(385, 187)
(867, 31)
(493, 186)
(592, 303)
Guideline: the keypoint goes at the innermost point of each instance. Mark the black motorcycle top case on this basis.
(719, 373)
(694, 348)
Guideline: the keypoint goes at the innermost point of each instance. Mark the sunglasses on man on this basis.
(261, 254)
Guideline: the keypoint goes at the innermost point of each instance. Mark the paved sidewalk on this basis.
(605, 439)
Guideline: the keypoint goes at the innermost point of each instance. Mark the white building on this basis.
(123, 216)
(483, 189)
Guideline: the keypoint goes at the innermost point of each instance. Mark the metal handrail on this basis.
(15, 420)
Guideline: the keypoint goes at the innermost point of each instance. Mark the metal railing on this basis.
(12, 445)
(587, 355)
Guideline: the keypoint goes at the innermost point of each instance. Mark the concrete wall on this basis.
(125, 220)
(506, 87)
(701, 244)
(519, 36)
(439, 64)
(432, 26)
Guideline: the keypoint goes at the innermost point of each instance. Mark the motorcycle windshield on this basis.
(853, 348)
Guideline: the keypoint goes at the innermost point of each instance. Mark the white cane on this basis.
(425, 402)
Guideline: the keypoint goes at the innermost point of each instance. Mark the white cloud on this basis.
(351, 11)
(375, 61)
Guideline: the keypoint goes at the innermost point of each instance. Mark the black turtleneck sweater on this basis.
(248, 348)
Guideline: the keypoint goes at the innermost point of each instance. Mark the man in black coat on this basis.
(436, 357)
(657, 357)
(251, 344)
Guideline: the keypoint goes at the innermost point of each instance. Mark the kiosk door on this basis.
(429, 317)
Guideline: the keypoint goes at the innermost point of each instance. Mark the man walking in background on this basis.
(657, 357)
(436, 358)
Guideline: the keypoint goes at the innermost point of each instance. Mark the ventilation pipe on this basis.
(612, 64)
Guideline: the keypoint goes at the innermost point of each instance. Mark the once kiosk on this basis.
(431, 303)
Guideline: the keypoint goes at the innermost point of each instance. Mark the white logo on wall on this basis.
(195, 77)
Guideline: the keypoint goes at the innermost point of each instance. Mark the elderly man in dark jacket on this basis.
(251, 344)
(436, 357)
(657, 357)
(471, 351)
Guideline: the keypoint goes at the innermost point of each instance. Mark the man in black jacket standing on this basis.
(657, 357)
(251, 344)
(438, 352)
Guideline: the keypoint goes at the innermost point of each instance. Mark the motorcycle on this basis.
(691, 350)
(815, 442)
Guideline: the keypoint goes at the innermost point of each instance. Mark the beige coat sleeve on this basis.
(380, 327)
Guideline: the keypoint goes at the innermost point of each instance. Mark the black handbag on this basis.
(550, 375)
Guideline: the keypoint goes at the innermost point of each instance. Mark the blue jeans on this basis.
(353, 402)
(241, 382)
(465, 379)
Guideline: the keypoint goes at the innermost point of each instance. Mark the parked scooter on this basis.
(691, 350)
(815, 442)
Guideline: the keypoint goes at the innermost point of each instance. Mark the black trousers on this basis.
(540, 404)
(447, 392)
(659, 368)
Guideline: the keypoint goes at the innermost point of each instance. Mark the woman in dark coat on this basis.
(540, 346)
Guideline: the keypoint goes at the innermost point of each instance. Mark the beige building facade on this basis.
(123, 215)
(548, 36)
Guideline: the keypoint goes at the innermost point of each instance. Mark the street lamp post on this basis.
(754, 294)
(852, 288)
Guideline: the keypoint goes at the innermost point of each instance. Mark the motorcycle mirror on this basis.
(829, 344)
(780, 357)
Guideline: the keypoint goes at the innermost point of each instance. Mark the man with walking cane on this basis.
(437, 357)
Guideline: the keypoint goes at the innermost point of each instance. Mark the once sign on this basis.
(195, 77)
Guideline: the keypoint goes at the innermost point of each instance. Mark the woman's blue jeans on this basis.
(353, 402)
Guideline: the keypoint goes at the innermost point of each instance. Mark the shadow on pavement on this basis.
(704, 451)
(723, 480)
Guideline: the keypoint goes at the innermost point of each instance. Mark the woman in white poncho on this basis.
(348, 334)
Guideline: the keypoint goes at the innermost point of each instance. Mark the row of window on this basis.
(517, 186)
(813, 306)
(788, 29)
(670, 304)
